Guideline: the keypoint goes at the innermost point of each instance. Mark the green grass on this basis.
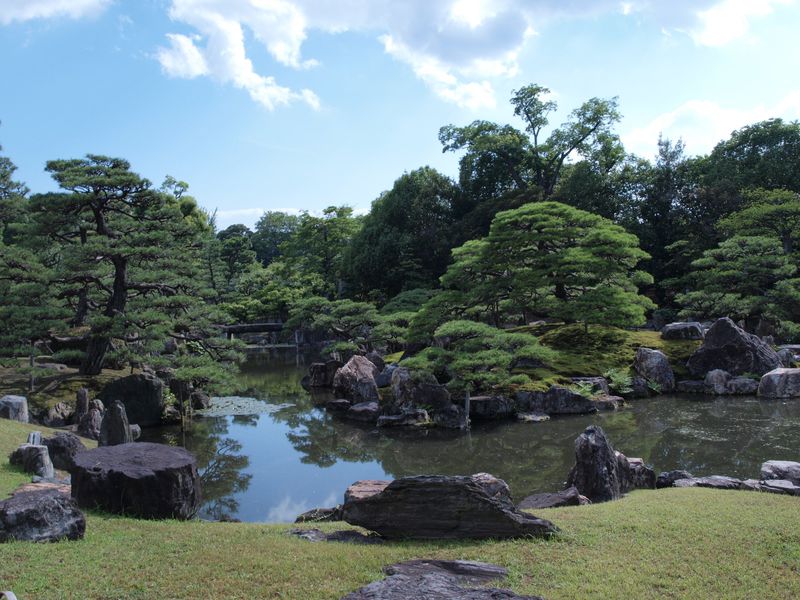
(677, 543)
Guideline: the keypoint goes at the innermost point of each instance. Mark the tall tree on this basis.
(272, 231)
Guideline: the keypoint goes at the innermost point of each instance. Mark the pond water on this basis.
(289, 455)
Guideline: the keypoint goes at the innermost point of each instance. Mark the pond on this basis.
(287, 455)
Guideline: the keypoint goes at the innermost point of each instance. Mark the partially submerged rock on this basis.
(689, 386)
(568, 497)
(781, 469)
(14, 408)
(364, 411)
(437, 507)
(491, 407)
(416, 390)
(690, 330)
(151, 481)
(412, 418)
(40, 516)
(531, 417)
(730, 348)
(558, 400)
(321, 374)
(722, 383)
(654, 367)
(356, 380)
(780, 383)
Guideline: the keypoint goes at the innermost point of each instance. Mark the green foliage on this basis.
(273, 230)
(408, 301)
(619, 381)
(342, 320)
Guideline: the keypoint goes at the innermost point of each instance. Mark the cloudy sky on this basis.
(300, 104)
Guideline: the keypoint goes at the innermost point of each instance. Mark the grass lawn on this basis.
(676, 543)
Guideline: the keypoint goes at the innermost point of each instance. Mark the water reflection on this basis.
(274, 465)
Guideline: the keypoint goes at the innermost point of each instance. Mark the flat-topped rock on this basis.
(781, 469)
(568, 497)
(140, 479)
(780, 383)
(717, 482)
(434, 507)
(40, 516)
(33, 459)
(690, 330)
(14, 408)
(367, 412)
(364, 489)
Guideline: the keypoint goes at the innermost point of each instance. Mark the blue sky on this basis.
(300, 104)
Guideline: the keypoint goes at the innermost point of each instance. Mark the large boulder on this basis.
(602, 474)
(385, 378)
(491, 407)
(151, 481)
(33, 458)
(356, 380)
(433, 507)
(722, 383)
(730, 348)
(413, 390)
(14, 408)
(654, 367)
(787, 358)
(143, 397)
(781, 469)
(682, 331)
(321, 374)
(780, 383)
(364, 489)
(62, 447)
(452, 417)
(558, 400)
(40, 516)
(115, 429)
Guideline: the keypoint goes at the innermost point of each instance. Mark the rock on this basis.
(668, 478)
(90, 423)
(722, 383)
(14, 408)
(780, 383)
(599, 384)
(136, 432)
(491, 407)
(772, 486)
(35, 438)
(730, 348)
(321, 374)
(653, 366)
(418, 390)
(605, 402)
(364, 489)
(199, 400)
(413, 418)
(567, 497)
(532, 417)
(437, 507)
(377, 360)
(465, 571)
(687, 386)
(682, 331)
(385, 378)
(717, 482)
(59, 486)
(143, 397)
(781, 469)
(452, 417)
(364, 411)
(40, 516)
(62, 448)
(33, 459)
(320, 515)
(558, 400)
(339, 405)
(151, 481)
(348, 535)
(115, 429)
(602, 474)
(356, 380)
(81, 404)
(787, 358)
(59, 415)
(639, 388)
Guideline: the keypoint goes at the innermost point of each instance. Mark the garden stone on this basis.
(558, 400)
(491, 407)
(62, 447)
(143, 397)
(568, 497)
(338, 405)
(599, 384)
(364, 411)
(377, 360)
(199, 400)
(717, 482)
(435, 507)
(14, 408)
(151, 481)
(364, 489)
(780, 383)
(90, 423)
(431, 586)
(415, 390)
(321, 374)
(115, 429)
(320, 515)
(787, 358)
(653, 366)
(385, 378)
(682, 331)
(730, 348)
(668, 478)
(605, 402)
(40, 516)
(414, 418)
(452, 417)
(33, 459)
(81, 404)
(781, 469)
(722, 383)
(532, 417)
(59, 415)
(350, 536)
(687, 386)
(356, 380)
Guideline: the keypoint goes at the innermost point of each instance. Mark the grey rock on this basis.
(722, 383)
(443, 507)
(531, 417)
(639, 388)
(81, 404)
(199, 400)
(350, 536)
(599, 384)
(413, 418)
(151, 481)
(717, 482)
(364, 411)
(780, 383)
(781, 469)
(772, 486)
(605, 402)
(321, 374)
(40, 516)
(385, 378)
(62, 448)
(364, 489)
(688, 386)
(143, 397)
(90, 423)
(320, 515)
(377, 360)
(115, 429)
(418, 390)
(14, 408)
(33, 459)
(338, 405)
(730, 348)
(683, 331)
(787, 358)
(568, 497)
(465, 571)
(136, 432)
(558, 400)
(491, 407)
(356, 380)
(653, 366)
(35, 438)
(639, 476)
(452, 417)
(59, 415)
(668, 478)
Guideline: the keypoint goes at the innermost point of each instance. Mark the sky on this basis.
(303, 104)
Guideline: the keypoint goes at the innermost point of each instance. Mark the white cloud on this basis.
(182, 58)
(26, 10)
(729, 20)
(702, 124)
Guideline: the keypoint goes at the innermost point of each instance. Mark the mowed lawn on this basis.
(676, 543)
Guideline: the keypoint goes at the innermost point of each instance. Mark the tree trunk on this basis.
(100, 342)
(32, 363)
(466, 406)
(96, 352)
